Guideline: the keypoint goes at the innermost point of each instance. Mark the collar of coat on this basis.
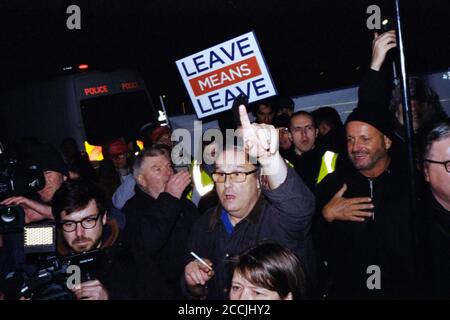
(142, 193)
(253, 217)
(394, 167)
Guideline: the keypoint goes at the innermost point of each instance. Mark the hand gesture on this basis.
(195, 273)
(347, 209)
(381, 44)
(260, 140)
(177, 183)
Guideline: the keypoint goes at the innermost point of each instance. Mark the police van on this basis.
(92, 107)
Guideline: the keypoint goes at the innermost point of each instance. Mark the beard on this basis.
(368, 162)
(82, 244)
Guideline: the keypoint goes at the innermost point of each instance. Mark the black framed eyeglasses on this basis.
(446, 164)
(86, 223)
(238, 177)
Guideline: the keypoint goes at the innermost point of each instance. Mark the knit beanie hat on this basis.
(381, 119)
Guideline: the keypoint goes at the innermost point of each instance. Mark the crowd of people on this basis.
(306, 207)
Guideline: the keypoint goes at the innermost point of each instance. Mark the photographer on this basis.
(80, 213)
(51, 164)
(55, 172)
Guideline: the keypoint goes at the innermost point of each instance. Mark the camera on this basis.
(16, 179)
(12, 219)
(51, 282)
(49, 278)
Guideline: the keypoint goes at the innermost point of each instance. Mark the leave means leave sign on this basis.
(216, 76)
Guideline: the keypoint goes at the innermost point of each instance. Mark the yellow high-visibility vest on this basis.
(288, 163)
(327, 166)
(203, 182)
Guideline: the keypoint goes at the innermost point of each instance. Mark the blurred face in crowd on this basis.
(304, 133)
(324, 128)
(286, 110)
(69, 148)
(237, 198)
(417, 109)
(265, 114)
(73, 175)
(154, 175)
(53, 181)
(87, 225)
(165, 139)
(285, 138)
(242, 289)
(367, 148)
(120, 160)
(437, 174)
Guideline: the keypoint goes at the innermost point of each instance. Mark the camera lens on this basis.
(8, 214)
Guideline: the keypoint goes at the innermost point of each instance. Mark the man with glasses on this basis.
(260, 198)
(306, 156)
(37, 207)
(79, 209)
(312, 161)
(436, 165)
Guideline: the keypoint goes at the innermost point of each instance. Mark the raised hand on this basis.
(381, 44)
(260, 140)
(178, 183)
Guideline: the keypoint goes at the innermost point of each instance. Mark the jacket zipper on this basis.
(371, 196)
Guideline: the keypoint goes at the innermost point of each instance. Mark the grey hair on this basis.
(153, 151)
(438, 132)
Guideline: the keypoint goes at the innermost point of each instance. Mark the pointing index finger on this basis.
(243, 116)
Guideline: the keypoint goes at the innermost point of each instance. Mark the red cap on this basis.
(117, 147)
(158, 132)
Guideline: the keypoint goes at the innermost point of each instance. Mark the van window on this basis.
(117, 115)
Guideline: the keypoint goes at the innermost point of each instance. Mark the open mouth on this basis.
(229, 197)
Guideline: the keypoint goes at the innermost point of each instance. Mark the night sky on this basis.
(308, 45)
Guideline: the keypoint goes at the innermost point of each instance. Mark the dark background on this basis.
(308, 45)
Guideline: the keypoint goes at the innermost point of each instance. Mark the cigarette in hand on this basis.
(201, 261)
